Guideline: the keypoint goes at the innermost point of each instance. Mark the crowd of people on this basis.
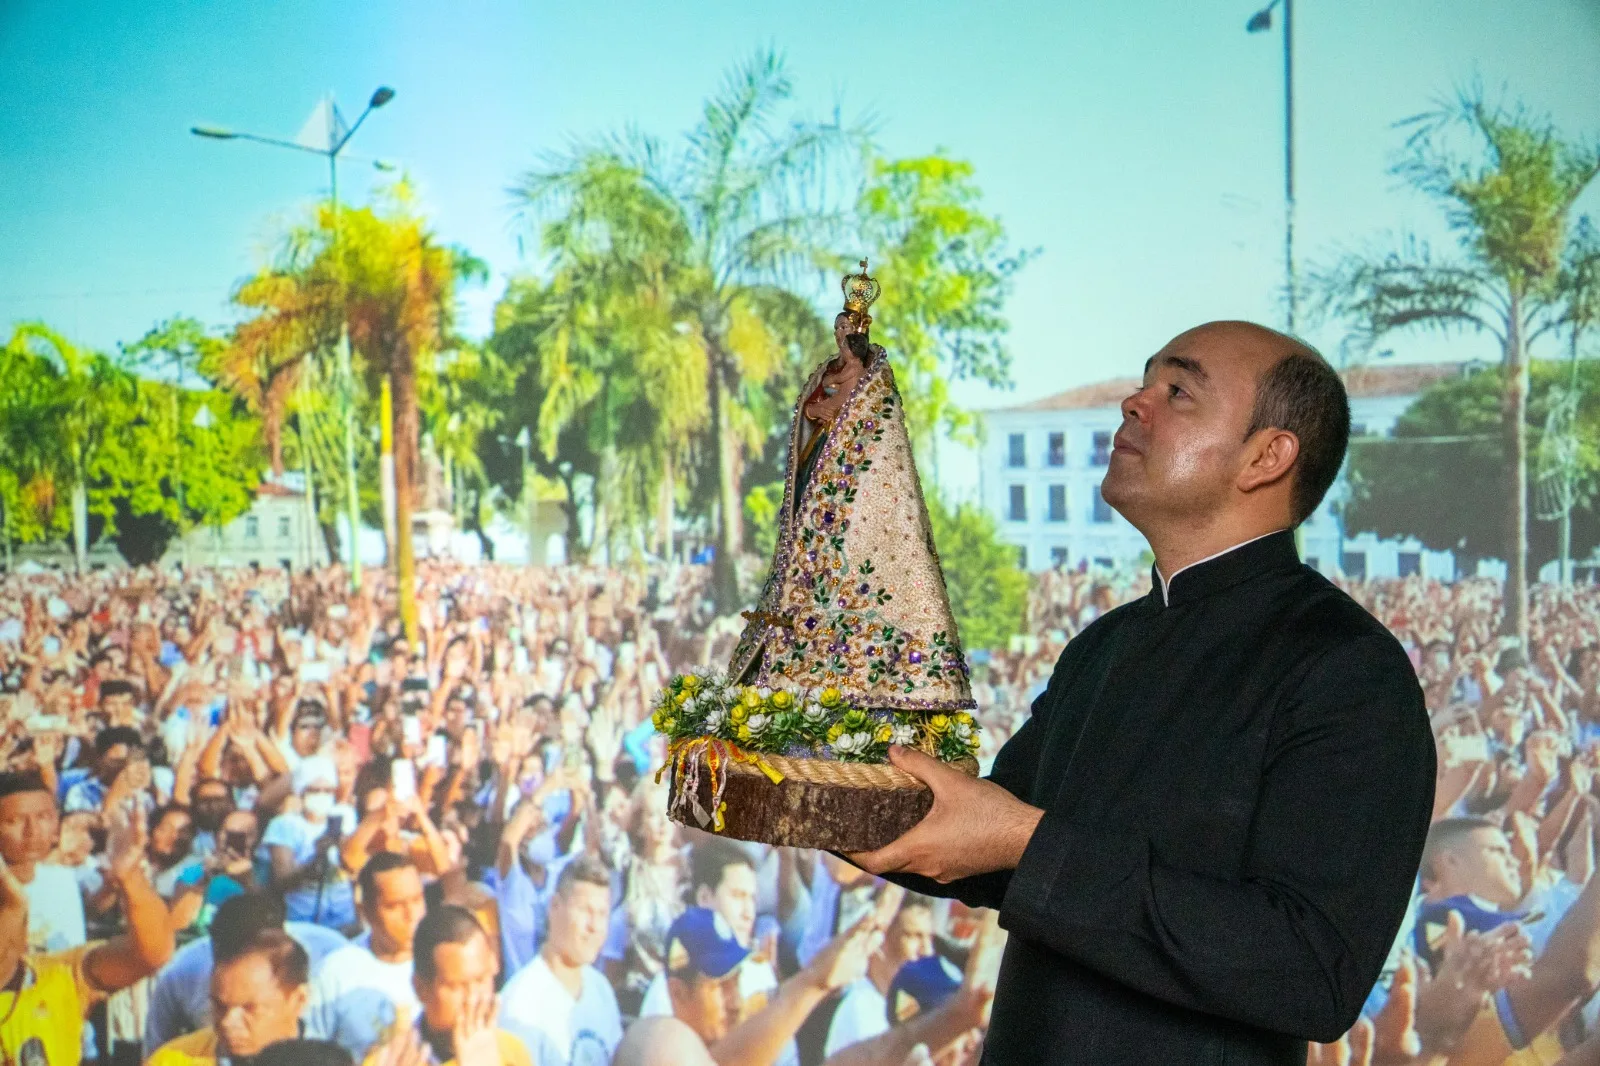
(243, 816)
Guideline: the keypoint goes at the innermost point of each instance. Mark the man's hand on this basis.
(974, 826)
(844, 959)
(474, 1034)
(404, 1046)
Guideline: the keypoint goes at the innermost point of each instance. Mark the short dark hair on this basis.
(1445, 834)
(445, 924)
(303, 1052)
(16, 782)
(170, 808)
(1303, 395)
(381, 863)
(240, 918)
(290, 965)
(117, 687)
(711, 858)
(584, 870)
(111, 736)
(210, 782)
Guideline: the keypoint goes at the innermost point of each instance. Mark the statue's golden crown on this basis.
(860, 290)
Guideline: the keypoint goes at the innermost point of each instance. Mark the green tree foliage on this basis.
(988, 593)
(1506, 182)
(946, 270)
(1435, 478)
(725, 221)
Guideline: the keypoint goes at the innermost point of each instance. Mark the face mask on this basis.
(318, 804)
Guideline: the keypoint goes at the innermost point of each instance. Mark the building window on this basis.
(1102, 509)
(1409, 563)
(1101, 452)
(252, 527)
(1022, 556)
(283, 527)
(1019, 504)
(1017, 453)
(1058, 503)
(1354, 565)
(1058, 556)
(1057, 454)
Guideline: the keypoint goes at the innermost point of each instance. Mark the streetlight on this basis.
(336, 143)
(1260, 22)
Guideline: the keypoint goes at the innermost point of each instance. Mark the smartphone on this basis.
(236, 841)
(437, 751)
(411, 729)
(402, 780)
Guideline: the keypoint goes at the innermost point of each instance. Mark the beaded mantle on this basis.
(856, 600)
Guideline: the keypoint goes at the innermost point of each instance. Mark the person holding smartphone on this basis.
(302, 848)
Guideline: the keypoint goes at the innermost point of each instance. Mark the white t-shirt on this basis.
(561, 1031)
(354, 996)
(55, 909)
(863, 1013)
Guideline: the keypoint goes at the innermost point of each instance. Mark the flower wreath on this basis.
(804, 723)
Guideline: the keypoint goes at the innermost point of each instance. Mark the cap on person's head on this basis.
(921, 985)
(701, 942)
(313, 771)
(1511, 659)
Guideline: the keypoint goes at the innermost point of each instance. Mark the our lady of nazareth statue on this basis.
(852, 646)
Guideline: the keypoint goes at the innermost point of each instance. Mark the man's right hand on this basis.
(844, 959)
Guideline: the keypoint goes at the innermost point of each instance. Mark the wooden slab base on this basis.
(801, 814)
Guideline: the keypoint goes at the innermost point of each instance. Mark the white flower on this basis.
(904, 735)
(690, 705)
(715, 719)
(764, 692)
(852, 743)
(814, 711)
(759, 722)
(964, 732)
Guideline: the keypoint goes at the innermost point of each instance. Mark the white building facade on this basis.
(1041, 465)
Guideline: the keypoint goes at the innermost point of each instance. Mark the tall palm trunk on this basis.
(80, 525)
(664, 507)
(407, 422)
(1514, 411)
(724, 572)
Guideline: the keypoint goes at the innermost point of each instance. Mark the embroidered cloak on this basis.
(856, 599)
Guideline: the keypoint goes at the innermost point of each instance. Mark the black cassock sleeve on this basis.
(1295, 943)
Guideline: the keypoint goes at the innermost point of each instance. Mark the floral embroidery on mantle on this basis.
(855, 600)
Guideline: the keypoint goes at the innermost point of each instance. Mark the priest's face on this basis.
(1181, 448)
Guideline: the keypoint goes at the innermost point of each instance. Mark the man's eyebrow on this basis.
(1178, 362)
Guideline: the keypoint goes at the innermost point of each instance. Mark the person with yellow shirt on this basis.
(257, 996)
(44, 998)
(454, 967)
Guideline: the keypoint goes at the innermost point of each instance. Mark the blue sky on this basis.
(1138, 143)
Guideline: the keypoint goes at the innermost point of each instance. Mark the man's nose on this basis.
(1136, 406)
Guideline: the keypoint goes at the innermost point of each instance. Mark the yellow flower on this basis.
(831, 697)
(738, 713)
(744, 733)
(750, 698)
(681, 698)
(782, 700)
(835, 731)
(939, 723)
(964, 718)
(884, 733)
(669, 724)
(691, 683)
(656, 719)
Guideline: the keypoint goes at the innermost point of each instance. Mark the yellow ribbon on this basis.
(717, 752)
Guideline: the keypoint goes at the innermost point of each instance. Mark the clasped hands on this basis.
(974, 826)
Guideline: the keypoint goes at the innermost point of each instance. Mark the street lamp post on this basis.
(337, 142)
(1260, 22)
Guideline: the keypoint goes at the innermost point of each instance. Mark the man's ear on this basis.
(1270, 456)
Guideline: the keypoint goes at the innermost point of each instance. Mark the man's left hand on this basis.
(974, 826)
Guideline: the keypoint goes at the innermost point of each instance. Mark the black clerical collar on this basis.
(1273, 551)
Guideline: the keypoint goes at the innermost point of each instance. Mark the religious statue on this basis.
(852, 646)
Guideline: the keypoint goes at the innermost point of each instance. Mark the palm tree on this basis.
(745, 203)
(1508, 198)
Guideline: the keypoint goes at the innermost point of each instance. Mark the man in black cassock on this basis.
(1203, 840)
